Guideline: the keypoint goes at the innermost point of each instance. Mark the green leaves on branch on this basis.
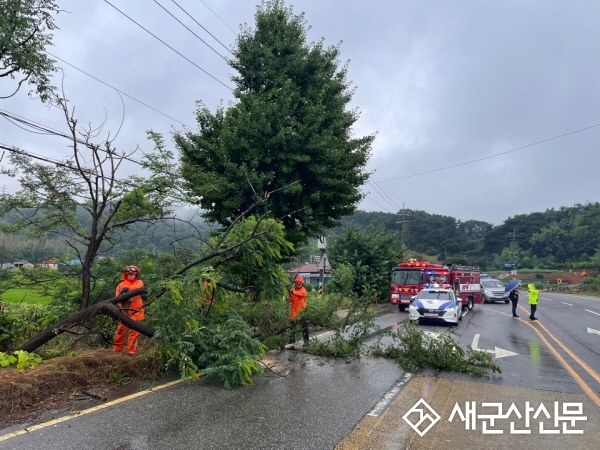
(25, 34)
(413, 351)
(20, 359)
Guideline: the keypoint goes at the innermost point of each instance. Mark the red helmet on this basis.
(299, 278)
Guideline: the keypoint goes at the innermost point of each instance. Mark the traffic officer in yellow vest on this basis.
(533, 300)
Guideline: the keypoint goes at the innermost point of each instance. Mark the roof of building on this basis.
(306, 268)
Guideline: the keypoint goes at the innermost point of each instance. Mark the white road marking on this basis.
(497, 352)
(565, 303)
(591, 330)
(598, 314)
(389, 396)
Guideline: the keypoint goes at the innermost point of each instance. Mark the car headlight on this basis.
(412, 306)
(451, 309)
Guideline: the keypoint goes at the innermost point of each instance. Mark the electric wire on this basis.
(52, 161)
(167, 45)
(385, 209)
(200, 25)
(116, 89)
(383, 194)
(46, 130)
(81, 170)
(219, 17)
(492, 156)
(188, 28)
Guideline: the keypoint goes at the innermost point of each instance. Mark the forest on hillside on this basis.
(568, 237)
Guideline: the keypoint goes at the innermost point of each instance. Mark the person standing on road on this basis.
(533, 299)
(297, 299)
(514, 298)
(133, 307)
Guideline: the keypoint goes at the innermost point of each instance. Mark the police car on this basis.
(436, 304)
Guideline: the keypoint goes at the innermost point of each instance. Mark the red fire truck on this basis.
(410, 277)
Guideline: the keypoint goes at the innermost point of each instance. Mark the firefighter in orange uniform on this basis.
(133, 307)
(298, 300)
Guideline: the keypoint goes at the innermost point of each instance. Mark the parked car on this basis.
(441, 305)
(493, 291)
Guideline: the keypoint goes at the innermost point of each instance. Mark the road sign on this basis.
(324, 263)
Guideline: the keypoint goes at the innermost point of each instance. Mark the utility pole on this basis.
(322, 246)
(403, 222)
(513, 249)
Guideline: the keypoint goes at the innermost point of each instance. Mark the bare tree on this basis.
(82, 199)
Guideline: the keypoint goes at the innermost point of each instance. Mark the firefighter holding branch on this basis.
(133, 307)
(297, 299)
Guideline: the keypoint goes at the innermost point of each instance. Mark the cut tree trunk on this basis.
(107, 308)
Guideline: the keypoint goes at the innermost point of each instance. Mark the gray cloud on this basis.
(442, 83)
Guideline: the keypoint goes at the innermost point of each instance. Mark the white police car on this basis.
(436, 304)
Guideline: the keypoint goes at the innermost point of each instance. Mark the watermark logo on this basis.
(495, 418)
(425, 412)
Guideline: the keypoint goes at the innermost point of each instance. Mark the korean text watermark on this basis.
(490, 417)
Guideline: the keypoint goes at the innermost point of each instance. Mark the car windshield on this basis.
(492, 284)
(435, 295)
(403, 276)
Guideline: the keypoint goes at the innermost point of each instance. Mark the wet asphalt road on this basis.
(314, 404)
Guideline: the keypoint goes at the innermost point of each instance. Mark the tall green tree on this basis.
(25, 32)
(290, 129)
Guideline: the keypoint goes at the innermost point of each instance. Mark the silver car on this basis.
(493, 291)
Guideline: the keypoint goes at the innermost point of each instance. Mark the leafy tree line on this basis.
(568, 237)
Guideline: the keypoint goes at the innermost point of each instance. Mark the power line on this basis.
(118, 90)
(81, 170)
(164, 43)
(219, 17)
(48, 160)
(492, 156)
(189, 15)
(43, 129)
(385, 209)
(383, 193)
(187, 28)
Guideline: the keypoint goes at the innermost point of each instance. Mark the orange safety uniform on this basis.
(135, 310)
(298, 300)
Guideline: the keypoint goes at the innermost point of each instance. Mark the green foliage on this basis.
(219, 345)
(25, 34)
(20, 359)
(290, 129)
(257, 262)
(22, 322)
(414, 351)
(229, 352)
(370, 253)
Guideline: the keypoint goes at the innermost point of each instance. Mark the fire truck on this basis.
(408, 278)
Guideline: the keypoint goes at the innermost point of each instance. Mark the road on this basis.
(311, 403)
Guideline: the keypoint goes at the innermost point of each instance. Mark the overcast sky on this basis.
(442, 83)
